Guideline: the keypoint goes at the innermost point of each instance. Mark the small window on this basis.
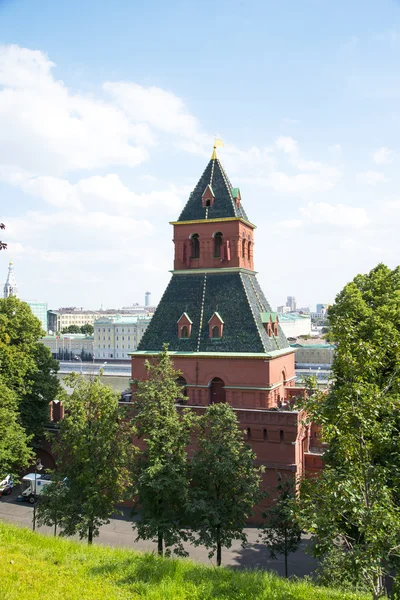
(217, 244)
(281, 436)
(215, 331)
(265, 435)
(208, 202)
(248, 433)
(244, 249)
(195, 245)
(249, 250)
(184, 332)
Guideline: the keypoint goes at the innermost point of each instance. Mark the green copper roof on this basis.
(224, 205)
(238, 300)
(235, 193)
(266, 317)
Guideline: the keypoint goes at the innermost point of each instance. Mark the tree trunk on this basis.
(160, 543)
(218, 546)
(286, 554)
(90, 534)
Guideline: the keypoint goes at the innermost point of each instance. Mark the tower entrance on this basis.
(217, 391)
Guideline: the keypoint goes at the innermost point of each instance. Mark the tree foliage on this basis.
(87, 329)
(225, 483)
(354, 505)
(281, 531)
(15, 453)
(95, 456)
(44, 388)
(161, 470)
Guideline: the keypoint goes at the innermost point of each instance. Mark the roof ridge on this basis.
(202, 312)
(251, 309)
(227, 184)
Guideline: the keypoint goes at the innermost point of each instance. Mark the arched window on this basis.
(248, 433)
(215, 331)
(265, 435)
(208, 202)
(281, 436)
(217, 244)
(195, 246)
(249, 250)
(184, 332)
(243, 248)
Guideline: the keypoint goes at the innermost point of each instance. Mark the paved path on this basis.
(119, 532)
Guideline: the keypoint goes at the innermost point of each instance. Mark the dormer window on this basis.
(184, 326)
(217, 244)
(215, 327)
(236, 196)
(271, 323)
(208, 196)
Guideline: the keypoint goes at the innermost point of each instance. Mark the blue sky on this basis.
(107, 117)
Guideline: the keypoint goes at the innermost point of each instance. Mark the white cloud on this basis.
(322, 213)
(287, 144)
(383, 156)
(371, 177)
(46, 128)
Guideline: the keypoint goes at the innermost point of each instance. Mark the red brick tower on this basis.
(221, 331)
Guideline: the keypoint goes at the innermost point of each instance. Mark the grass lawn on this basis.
(37, 567)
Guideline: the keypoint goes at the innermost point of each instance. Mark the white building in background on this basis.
(294, 325)
(10, 286)
(116, 336)
(67, 346)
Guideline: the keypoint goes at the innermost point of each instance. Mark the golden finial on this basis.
(217, 143)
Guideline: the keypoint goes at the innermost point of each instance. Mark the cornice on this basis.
(212, 270)
(222, 220)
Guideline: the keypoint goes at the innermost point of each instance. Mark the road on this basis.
(119, 532)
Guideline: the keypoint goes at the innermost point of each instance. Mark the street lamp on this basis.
(76, 357)
(38, 467)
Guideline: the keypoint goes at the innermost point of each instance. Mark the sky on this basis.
(109, 110)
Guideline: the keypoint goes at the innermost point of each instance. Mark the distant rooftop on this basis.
(123, 319)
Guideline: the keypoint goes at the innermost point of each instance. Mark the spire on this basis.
(10, 286)
(225, 202)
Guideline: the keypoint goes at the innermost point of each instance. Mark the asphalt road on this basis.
(119, 532)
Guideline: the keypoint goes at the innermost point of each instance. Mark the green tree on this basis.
(354, 505)
(27, 367)
(161, 469)
(71, 329)
(281, 532)
(44, 388)
(87, 329)
(51, 503)
(225, 482)
(15, 451)
(95, 456)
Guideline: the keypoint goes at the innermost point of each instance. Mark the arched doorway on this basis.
(217, 391)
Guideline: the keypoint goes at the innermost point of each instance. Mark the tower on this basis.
(147, 297)
(10, 286)
(220, 328)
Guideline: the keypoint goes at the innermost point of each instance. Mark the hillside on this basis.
(38, 567)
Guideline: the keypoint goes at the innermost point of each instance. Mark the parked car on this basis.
(6, 486)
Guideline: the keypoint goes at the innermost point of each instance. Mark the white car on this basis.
(6, 486)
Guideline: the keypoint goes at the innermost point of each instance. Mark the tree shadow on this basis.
(256, 556)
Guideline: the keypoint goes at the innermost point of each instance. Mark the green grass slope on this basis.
(38, 567)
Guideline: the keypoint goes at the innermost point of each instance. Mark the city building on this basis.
(221, 332)
(116, 336)
(313, 353)
(10, 286)
(64, 317)
(39, 309)
(283, 309)
(293, 324)
(69, 345)
(291, 303)
(321, 309)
